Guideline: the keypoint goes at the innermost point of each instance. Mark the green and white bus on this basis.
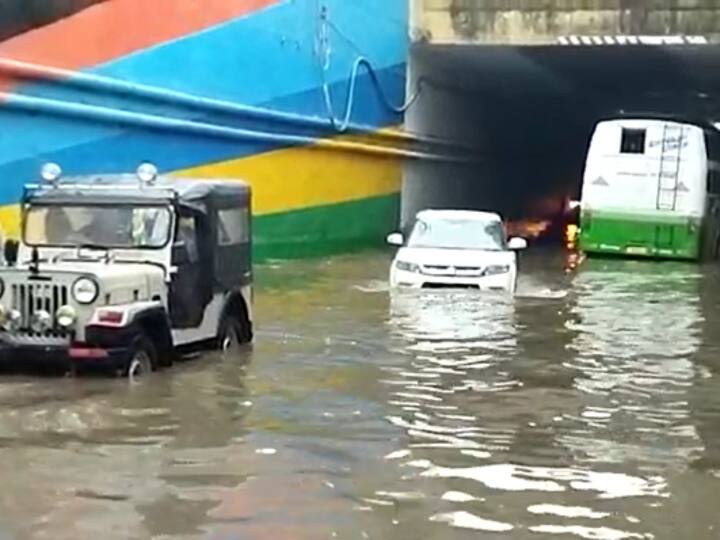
(651, 188)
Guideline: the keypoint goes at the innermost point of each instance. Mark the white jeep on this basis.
(121, 272)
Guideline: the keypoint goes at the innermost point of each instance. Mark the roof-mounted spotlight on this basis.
(51, 173)
(147, 173)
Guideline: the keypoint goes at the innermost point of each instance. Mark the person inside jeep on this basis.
(102, 226)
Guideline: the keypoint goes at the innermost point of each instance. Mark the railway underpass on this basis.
(527, 113)
(523, 86)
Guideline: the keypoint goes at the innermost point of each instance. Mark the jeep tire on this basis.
(232, 334)
(142, 359)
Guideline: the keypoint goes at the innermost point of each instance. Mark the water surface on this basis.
(588, 407)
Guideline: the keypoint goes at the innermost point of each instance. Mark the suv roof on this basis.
(126, 188)
(470, 215)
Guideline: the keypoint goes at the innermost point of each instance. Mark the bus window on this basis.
(633, 141)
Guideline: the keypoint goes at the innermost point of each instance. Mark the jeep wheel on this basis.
(232, 335)
(142, 359)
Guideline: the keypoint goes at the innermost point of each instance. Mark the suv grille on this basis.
(32, 297)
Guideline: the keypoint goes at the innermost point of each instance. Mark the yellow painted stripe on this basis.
(289, 179)
(297, 178)
(10, 221)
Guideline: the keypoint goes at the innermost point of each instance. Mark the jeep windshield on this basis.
(101, 226)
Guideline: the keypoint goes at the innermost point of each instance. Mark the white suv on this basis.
(456, 248)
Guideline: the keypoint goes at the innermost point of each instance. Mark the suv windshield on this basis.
(101, 226)
(458, 234)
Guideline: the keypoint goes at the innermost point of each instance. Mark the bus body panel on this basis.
(645, 190)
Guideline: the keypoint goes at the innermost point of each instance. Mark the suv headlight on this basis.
(496, 269)
(85, 290)
(407, 266)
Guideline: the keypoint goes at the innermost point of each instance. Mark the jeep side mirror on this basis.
(180, 254)
(395, 239)
(10, 251)
(517, 244)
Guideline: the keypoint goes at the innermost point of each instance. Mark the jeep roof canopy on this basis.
(114, 189)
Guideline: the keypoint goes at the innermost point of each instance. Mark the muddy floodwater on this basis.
(587, 407)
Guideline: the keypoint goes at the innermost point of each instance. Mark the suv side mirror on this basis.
(517, 244)
(10, 251)
(395, 239)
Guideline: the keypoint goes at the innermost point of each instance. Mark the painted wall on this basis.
(301, 98)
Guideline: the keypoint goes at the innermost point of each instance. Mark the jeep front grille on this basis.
(32, 297)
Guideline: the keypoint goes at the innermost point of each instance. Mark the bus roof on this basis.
(703, 123)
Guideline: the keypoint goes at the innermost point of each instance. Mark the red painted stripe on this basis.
(119, 27)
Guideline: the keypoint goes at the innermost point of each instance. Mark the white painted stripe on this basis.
(632, 40)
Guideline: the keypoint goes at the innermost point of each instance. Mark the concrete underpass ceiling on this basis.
(651, 77)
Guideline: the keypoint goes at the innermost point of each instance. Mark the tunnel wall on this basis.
(523, 22)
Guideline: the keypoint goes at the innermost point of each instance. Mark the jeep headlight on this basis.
(496, 269)
(13, 320)
(407, 266)
(66, 317)
(85, 290)
(41, 321)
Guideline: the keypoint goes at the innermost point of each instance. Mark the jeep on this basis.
(123, 272)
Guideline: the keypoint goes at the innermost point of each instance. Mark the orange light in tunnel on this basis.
(571, 232)
(528, 228)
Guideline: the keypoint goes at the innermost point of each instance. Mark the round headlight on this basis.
(14, 320)
(85, 290)
(147, 173)
(50, 172)
(66, 317)
(41, 321)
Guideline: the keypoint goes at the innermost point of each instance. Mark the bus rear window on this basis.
(633, 141)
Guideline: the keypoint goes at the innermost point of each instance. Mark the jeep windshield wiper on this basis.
(70, 252)
(96, 247)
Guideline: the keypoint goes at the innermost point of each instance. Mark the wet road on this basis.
(586, 407)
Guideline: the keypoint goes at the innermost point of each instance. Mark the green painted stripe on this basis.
(640, 216)
(324, 230)
(666, 236)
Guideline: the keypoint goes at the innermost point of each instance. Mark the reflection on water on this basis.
(588, 406)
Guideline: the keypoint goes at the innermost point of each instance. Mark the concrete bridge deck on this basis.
(526, 22)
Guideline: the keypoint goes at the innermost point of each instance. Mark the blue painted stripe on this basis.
(170, 150)
(266, 58)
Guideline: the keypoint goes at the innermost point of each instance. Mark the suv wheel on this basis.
(142, 358)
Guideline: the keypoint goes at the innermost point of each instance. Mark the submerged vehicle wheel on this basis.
(142, 359)
(232, 334)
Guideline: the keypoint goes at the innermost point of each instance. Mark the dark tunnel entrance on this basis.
(526, 115)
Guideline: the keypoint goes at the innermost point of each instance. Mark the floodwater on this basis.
(588, 407)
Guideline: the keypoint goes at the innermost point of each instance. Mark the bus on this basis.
(651, 189)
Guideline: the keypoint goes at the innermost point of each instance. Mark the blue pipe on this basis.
(104, 114)
(108, 84)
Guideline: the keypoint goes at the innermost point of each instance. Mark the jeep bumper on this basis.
(25, 351)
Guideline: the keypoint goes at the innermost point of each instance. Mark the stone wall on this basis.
(528, 22)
